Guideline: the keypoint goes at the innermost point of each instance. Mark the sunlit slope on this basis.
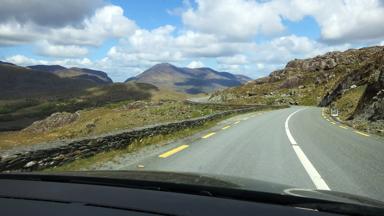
(28, 95)
(323, 80)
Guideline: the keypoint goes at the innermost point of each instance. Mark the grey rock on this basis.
(30, 164)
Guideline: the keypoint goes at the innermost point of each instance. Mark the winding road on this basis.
(297, 146)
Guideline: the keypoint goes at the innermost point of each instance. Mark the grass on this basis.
(41, 107)
(271, 91)
(13, 105)
(109, 118)
(88, 163)
(347, 103)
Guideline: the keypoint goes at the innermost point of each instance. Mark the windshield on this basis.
(278, 92)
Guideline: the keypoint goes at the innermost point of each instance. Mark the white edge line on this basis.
(287, 131)
(315, 176)
(311, 170)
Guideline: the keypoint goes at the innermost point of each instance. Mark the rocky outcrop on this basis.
(348, 80)
(371, 106)
(55, 120)
(73, 150)
(329, 75)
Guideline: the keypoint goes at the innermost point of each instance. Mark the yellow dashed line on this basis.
(173, 151)
(343, 127)
(208, 135)
(226, 127)
(361, 133)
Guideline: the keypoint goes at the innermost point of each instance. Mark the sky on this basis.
(125, 37)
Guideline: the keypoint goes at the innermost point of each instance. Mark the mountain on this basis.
(96, 76)
(351, 81)
(188, 80)
(47, 68)
(5, 63)
(28, 95)
(21, 82)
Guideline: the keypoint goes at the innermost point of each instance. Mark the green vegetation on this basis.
(109, 118)
(14, 105)
(334, 79)
(38, 108)
(308, 81)
(347, 103)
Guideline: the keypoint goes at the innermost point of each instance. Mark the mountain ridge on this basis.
(188, 80)
(97, 76)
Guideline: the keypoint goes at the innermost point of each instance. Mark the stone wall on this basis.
(45, 158)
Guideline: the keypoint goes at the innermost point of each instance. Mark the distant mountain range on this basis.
(56, 80)
(28, 94)
(23, 82)
(99, 77)
(32, 93)
(188, 80)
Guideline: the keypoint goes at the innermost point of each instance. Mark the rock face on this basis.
(350, 80)
(55, 120)
(188, 80)
(371, 106)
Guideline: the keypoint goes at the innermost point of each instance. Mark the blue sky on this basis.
(150, 14)
(125, 37)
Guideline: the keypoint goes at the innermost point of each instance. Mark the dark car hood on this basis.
(207, 180)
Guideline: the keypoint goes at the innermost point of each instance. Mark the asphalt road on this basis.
(297, 146)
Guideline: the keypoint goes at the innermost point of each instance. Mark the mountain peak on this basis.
(163, 65)
(188, 80)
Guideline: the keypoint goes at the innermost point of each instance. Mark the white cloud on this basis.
(195, 64)
(146, 47)
(13, 33)
(282, 49)
(233, 19)
(47, 49)
(260, 66)
(339, 20)
(231, 60)
(108, 21)
(344, 20)
(23, 60)
(67, 62)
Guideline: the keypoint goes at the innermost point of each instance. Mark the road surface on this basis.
(298, 146)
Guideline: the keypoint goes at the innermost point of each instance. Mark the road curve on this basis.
(297, 146)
